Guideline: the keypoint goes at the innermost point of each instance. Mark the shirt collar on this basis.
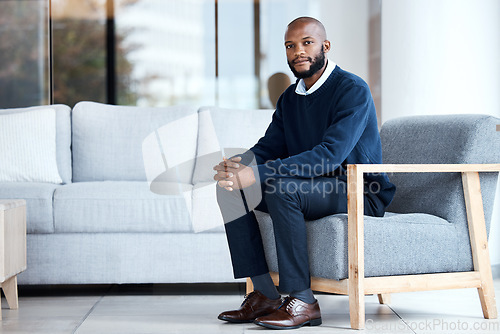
(301, 86)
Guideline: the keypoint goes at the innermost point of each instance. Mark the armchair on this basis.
(434, 235)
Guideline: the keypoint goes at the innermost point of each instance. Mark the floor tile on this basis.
(375, 323)
(444, 311)
(458, 303)
(332, 323)
(157, 324)
(166, 305)
(40, 325)
(338, 304)
(46, 314)
(436, 323)
(47, 307)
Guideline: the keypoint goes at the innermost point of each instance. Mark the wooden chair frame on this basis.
(357, 285)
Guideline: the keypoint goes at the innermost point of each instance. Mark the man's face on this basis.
(304, 49)
(315, 64)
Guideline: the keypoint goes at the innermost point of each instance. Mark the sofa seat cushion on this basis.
(121, 206)
(206, 217)
(396, 244)
(38, 196)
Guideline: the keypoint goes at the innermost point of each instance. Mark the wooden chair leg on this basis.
(487, 298)
(9, 288)
(384, 298)
(355, 250)
(249, 285)
(357, 309)
(479, 242)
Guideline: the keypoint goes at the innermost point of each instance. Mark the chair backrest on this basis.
(439, 139)
(442, 139)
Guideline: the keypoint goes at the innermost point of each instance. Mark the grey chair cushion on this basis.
(38, 198)
(397, 244)
(121, 206)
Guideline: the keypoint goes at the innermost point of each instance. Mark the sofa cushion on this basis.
(38, 198)
(107, 140)
(63, 136)
(206, 213)
(28, 147)
(396, 244)
(121, 206)
(221, 129)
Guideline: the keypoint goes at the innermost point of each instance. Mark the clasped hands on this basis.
(233, 175)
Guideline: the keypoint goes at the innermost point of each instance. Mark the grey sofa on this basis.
(104, 224)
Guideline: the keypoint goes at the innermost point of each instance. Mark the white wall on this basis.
(346, 23)
(442, 57)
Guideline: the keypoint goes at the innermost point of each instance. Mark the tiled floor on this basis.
(190, 309)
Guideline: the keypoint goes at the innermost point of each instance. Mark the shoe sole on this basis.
(313, 322)
(235, 321)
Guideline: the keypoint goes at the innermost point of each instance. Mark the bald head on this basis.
(312, 23)
(306, 46)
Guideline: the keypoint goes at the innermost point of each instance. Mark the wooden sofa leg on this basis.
(384, 298)
(249, 285)
(9, 288)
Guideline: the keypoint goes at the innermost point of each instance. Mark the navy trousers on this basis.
(289, 201)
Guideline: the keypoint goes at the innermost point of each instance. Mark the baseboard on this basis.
(495, 270)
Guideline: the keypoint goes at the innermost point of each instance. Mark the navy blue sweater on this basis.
(320, 133)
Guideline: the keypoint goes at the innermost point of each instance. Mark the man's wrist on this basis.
(247, 158)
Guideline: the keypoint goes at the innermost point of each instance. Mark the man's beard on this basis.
(316, 65)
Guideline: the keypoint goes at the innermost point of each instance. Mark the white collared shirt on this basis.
(301, 86)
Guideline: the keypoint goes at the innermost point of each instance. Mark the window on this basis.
(167, 52)
(79, 51)
(24, 53)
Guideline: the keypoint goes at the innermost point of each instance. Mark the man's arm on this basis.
(269, 147)
(339, 140)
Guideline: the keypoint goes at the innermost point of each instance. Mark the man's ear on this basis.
(326, 46)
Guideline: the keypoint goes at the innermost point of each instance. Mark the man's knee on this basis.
(231, 204)
(281, 189)
(226, 197)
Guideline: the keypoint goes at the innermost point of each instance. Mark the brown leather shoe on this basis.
(294, 313)
(255, 305)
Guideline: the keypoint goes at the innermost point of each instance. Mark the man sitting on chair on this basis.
(323, 122)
